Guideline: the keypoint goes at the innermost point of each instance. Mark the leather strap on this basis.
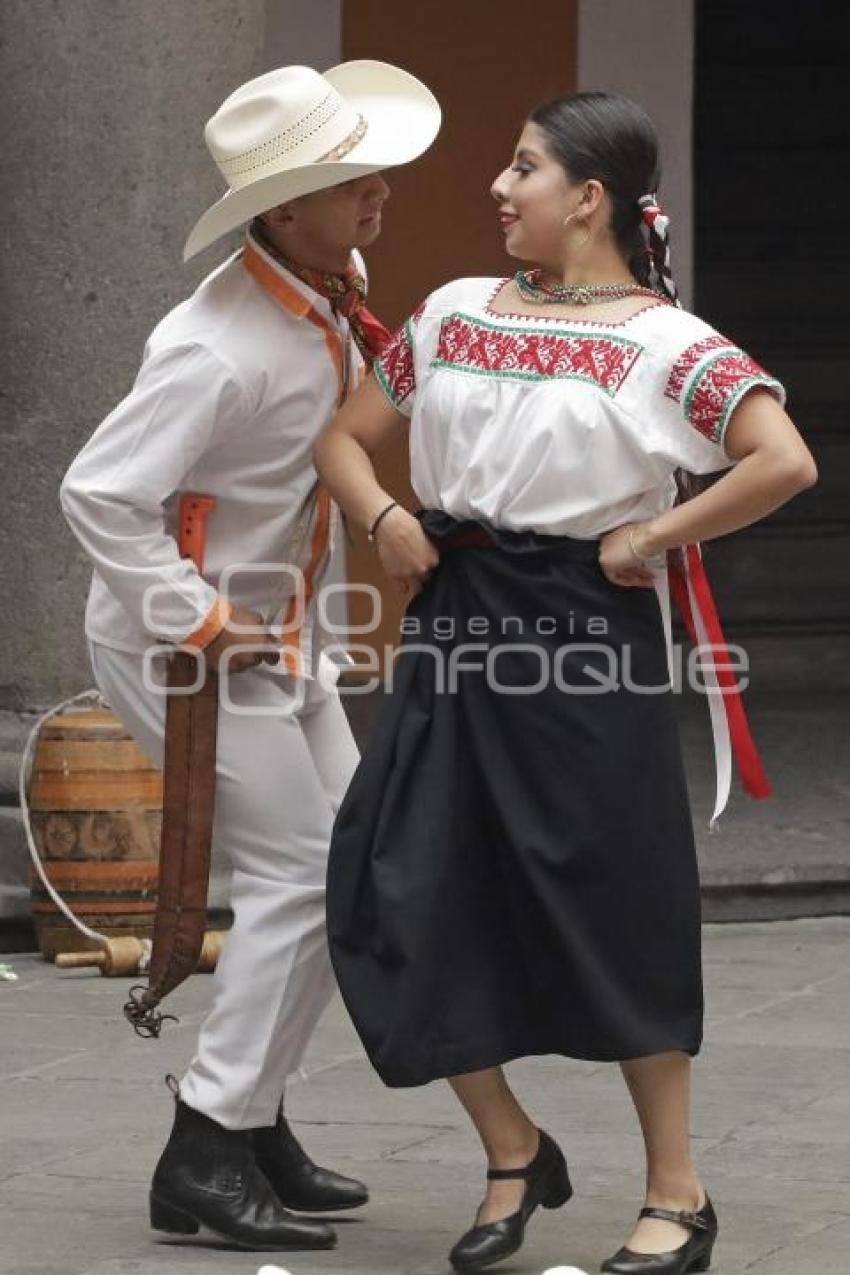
(526, 1172)
(498, 1175)
(682, 1216)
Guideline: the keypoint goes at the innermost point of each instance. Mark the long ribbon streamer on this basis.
(730, 728)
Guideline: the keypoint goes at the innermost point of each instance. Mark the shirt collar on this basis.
(296, 296)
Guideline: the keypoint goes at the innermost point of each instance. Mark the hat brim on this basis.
(403, 118)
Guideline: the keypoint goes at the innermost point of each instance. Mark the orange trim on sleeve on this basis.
(214, 621)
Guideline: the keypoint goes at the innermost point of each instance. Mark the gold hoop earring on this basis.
(568, 219)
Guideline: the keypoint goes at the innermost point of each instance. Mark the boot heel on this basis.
(165, 1217)
(558, 1189)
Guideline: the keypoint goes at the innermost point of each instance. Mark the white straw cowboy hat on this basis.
(294, 131)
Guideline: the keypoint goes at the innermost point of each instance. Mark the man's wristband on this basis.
(381, 516)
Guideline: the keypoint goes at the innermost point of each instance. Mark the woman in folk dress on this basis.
(513, 868)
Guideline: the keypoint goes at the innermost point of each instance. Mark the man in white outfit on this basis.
(235, 384)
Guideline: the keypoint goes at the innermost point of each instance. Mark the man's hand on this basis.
(259, 634)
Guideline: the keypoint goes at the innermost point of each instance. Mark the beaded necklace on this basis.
(531, 288)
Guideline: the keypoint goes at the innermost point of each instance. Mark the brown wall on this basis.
(489, 62)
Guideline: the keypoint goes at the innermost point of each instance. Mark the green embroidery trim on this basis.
(521, 376)
(767, 381)
(381, 378)
(729, 351)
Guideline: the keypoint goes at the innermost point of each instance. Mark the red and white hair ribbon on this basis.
(656, 227)
(654, 215)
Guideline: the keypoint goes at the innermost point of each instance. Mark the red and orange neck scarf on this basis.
(346, 293)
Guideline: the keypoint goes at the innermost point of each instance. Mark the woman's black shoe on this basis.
(208, 1176)
(298, 1182)
(693, 1255)
(547, 1183)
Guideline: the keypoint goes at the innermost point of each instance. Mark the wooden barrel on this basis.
(96, 813)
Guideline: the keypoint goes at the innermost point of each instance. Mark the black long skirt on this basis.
(513, 871)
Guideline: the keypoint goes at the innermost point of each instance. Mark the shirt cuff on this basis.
(214, 621)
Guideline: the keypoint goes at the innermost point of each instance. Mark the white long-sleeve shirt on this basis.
(235, 384)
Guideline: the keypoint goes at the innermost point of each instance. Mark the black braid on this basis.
(656, 231)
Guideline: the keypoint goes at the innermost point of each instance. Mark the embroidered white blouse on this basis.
(568, 426)
(562, 426)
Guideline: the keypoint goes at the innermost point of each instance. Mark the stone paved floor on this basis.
(83, 1114)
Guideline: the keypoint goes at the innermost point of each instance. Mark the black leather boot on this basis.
(547, 1183)
(298, 1182)
(693, 1255)
(208, 1176)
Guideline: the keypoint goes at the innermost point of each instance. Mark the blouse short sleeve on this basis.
(407, 363)
(395, 369)
(702, 376)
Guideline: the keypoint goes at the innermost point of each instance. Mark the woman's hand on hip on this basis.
(404, 551)
(618, 561)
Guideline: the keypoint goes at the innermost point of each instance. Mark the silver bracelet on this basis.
(654, 559)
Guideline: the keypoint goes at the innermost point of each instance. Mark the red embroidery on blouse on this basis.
(486, 350)
(395, 366)
(718, 388)
(687, 361)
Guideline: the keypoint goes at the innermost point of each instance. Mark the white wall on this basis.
(645, 48)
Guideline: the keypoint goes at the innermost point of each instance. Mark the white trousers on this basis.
(282, 772)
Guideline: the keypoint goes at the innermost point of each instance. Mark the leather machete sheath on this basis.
(189, 771)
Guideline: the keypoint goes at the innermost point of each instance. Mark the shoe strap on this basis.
(683, 1216)
(498, 1175)
(526, 1172)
